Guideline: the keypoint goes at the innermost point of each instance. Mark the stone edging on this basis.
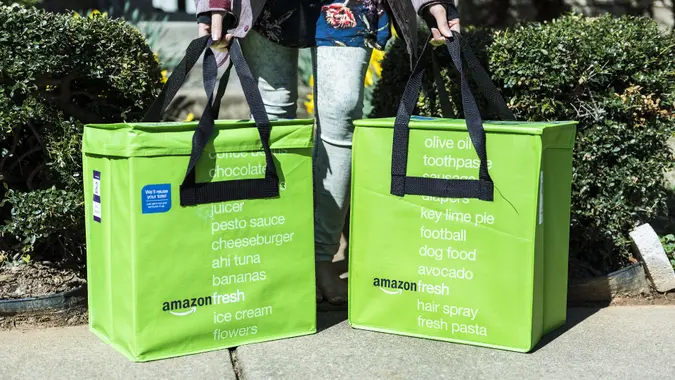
(627, 282)
(64, 300)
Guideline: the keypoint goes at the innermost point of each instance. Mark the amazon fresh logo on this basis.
(186, 306)
(391, 286)
(189, 306)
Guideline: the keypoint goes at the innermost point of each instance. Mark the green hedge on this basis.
(58, 72)
(20, 2)
(616, 76)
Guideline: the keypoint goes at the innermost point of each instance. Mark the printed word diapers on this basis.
(459, 229)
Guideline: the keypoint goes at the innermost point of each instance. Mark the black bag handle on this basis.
(401, 184)
(191, 192)
(479, 75)
(176, 80)
(181, 71)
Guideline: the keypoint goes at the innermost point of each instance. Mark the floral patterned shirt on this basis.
(308, 23)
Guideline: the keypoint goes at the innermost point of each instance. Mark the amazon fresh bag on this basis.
(459, 229)
(218, 257)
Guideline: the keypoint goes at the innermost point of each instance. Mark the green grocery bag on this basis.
(459, 229)
(220, 255)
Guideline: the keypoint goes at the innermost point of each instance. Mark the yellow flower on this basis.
(76, 15)
(369, 79)
(164, 76)
(374, 67)
(93, 14)
(156, 55)
(190, 117)
(309, 102)
(376, 61)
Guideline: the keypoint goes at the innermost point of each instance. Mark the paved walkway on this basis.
(611, 343)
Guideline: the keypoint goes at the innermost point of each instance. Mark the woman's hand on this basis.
(444, 28)
(215, 29)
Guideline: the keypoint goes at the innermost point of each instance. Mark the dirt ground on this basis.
(656, 299)
(57, 318)
(36, 279)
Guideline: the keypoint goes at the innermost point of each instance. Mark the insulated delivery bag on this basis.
(219, 255)
(459, 228)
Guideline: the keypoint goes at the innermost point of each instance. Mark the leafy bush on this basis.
(153, 28)
(58, 72)
(19, 2)
(396, 70)
(616, 76)
(668, 242)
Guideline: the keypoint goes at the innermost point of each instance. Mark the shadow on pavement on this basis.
(574, 317)
(326, 320)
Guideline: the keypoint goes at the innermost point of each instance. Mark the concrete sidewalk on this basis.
(611, 343)
(75, 353)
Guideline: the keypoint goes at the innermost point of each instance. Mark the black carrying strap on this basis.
(484, 82)
(401, 184)
(222, 86)
(479, 75)
(178, 77)
(191, 192)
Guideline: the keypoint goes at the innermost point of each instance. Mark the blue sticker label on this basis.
(422, 118)
(156, 198)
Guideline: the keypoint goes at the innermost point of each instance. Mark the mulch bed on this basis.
(35, 280)
(54, 318)
(654, 299)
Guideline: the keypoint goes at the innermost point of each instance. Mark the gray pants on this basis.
(339, 73)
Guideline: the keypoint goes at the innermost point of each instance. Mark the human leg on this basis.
(339, 74)
(275, 67)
